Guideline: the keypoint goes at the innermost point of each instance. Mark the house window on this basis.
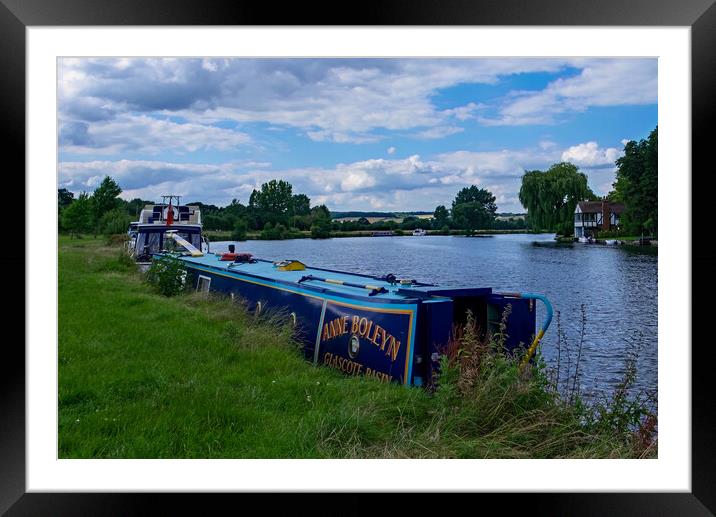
(202, 286)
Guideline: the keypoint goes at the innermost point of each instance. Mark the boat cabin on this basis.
(149, 234)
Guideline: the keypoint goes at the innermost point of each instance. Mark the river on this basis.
(617, 288)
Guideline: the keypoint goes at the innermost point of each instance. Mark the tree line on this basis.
(101, 212)
(551, 196)
(275, 212)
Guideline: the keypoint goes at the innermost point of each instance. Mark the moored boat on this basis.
(162, 223)
(393, 329)
(419, 232)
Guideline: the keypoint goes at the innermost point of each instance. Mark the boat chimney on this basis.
(232, 248)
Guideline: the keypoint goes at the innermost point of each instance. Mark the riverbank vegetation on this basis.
(143, 375)
(551, 196)
(275, 212)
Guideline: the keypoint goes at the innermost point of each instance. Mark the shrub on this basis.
(168, 275)
(271, 232)
(320, 231)
(239, 231)
(114, 222)
(122, 263)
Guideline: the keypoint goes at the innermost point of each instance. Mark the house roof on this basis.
(596, 207)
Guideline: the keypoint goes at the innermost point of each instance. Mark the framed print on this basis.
(403, 130)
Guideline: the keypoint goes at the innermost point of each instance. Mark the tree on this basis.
(274, 197)
(321, 229)
(471, 216)
(104, 197)
(474, 208)
(239, 231)
(77, 218)
(441, 217)
(64, 198)
(234, 209)
(300, 204)
(550, 197)
(135, 206)
(637, 184)
(115, 221)
(320, 212)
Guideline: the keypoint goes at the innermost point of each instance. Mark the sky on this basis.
(354, 134)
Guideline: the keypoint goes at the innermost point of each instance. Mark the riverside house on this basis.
(591, 217)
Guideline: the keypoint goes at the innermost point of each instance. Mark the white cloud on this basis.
(439, 132)
(343, 100)
(603, 82)
(391, 150)
(411, 183)
(146, 134)
(589, 154)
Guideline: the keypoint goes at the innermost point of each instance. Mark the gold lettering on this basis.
(354, 326)
(393, 347)
(335, 327)
(325, 336)
(384, 336)
(375, 334)
(362, 326)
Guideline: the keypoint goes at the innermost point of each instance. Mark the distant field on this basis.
(372, 220)
(419, 216)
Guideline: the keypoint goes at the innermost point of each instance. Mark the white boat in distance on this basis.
(419, 232)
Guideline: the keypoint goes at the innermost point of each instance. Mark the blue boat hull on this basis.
(390, 340)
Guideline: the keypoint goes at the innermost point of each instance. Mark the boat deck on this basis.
(265, 270)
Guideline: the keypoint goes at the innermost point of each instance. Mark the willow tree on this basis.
(551, 196)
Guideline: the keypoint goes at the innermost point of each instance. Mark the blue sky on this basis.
(355, 134)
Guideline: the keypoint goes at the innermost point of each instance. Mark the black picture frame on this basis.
(700, 15)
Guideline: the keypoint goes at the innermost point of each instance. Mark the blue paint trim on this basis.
(411, 360)
(315, 293)
(547, 304)
(295, 285)
(410, 308)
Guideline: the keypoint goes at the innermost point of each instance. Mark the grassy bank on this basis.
(145, 376)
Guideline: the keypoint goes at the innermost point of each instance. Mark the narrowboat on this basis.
(390, 328)
(163, 224)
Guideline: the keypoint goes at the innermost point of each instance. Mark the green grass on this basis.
(146, 376)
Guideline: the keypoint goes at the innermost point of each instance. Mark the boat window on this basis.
(203, 284)
(193, 238)
(150, 239)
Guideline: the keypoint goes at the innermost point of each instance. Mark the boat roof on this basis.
(155, 214)
(163, 227)
(395, 293)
